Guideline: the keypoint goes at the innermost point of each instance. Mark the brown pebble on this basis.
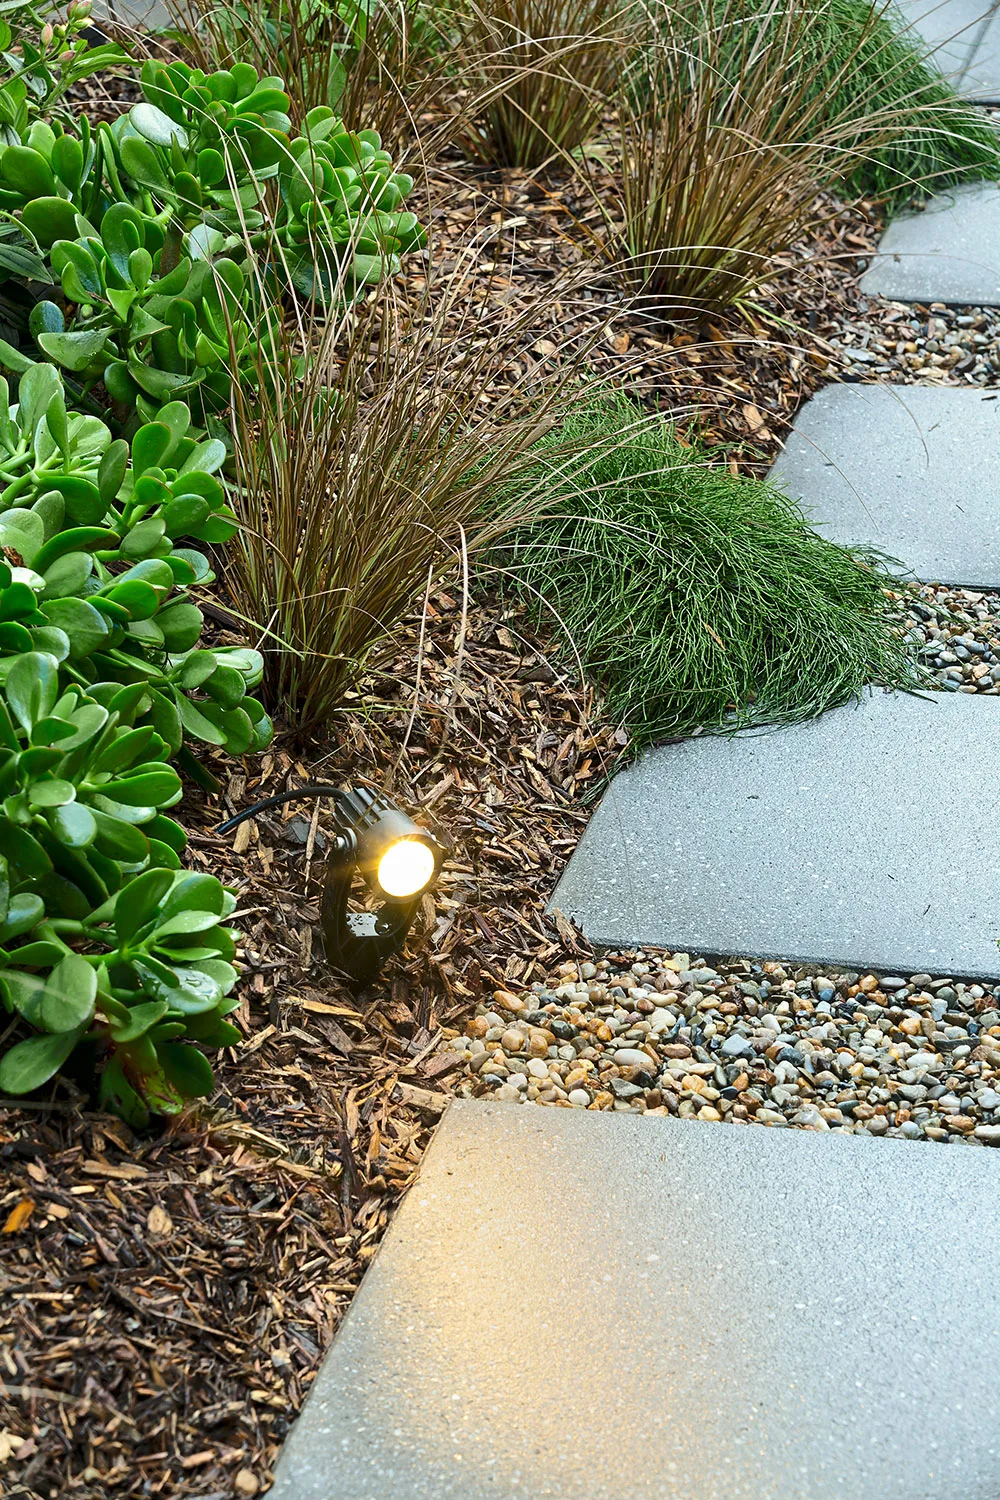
(910, 1025)
(869, 983)
(675, 1049)
(510, 1002)
(477, 1026)
(537, 1044)
(512, 1041)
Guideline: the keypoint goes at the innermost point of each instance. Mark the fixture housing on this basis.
(398, 860)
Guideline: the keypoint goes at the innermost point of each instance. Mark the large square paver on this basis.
(948, 252)
(981, 79)
(586, 1306)
(951, 30)
(960, 36)
(867, 837)
(910, 469)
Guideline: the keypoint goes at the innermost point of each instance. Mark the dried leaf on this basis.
(19, 1216)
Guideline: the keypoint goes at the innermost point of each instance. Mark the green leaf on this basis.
(112, 471)
(68, 161)
(164, 983)
(197, 725)
(74, 825)
(54, 793)
(49, 219)
(145, 789)
(143, 538)
(40, 955)
(155, 126)
(70, 991)
(32, 687)
(23, 263)
(74, 351)
(117, 840)
(142, 1018)
(25, 912)
(30, 1064)
(138, 902)
(181, 625)
(186, 922)
(74, 539)
(85, 626)
(27, 172)
(23, 992)
(25, 855)
(188, 1070)
(150, 446)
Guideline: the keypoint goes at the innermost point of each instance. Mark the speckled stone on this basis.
(864, 838)
(581, 1305)
(947, 252)
(908, 469)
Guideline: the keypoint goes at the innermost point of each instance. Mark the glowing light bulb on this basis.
(405, 868)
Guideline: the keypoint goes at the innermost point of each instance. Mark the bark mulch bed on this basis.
(166, 1298)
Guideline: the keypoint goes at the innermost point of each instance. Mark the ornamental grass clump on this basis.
(536, 75)
(376, 470)
(732, 119)
(939, 139)
(695, 599)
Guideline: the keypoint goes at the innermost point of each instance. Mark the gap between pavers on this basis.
(909, 469)
(866, 838)
(948, 252)
(587, 1305)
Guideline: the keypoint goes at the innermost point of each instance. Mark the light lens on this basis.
(405, 868)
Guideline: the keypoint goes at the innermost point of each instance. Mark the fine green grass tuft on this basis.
(694, 598)
(941, 140)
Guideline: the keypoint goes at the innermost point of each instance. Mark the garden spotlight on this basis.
(399, 862)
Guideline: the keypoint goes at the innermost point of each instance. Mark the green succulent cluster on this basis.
(118, 958)
(107, 947)
(45, 58)
(92, 570)
(168, 232)
(148, 337)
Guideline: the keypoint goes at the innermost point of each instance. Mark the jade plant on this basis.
(117, 958)
(145, 250)
(93, 573)
(108, 949)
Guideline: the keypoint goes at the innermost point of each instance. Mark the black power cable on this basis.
(312, 789)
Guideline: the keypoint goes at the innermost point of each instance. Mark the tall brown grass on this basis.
(371, 467)
(725, 140)
(537, 75)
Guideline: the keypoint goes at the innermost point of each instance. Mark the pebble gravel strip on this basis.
(956, 635)
(931, 344)
(660, 1033)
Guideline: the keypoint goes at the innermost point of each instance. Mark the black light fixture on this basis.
(399, 862)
